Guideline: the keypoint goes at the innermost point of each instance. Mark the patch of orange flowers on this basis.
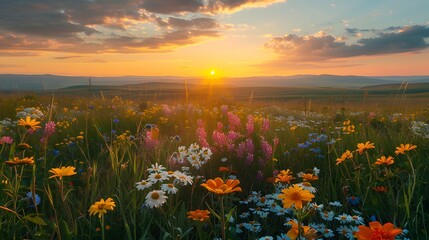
(199, 215)
(364, 146)
(404, 148)
(220, 187)
(285, 176)
(378, 231)
(384, 161)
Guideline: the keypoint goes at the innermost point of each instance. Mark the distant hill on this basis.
(18, 82)
(408, 88)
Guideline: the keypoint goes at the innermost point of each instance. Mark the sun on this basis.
(212, 72)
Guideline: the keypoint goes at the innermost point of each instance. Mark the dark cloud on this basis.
(172, 6)
(180, 23)
(324, 47)
(96, 26)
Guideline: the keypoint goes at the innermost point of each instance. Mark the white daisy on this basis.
(143, 184)
(155, 198)
(158, 177)
(156, 168)
(194, 147)
(206, 153)
(169, 188)
(182, 178)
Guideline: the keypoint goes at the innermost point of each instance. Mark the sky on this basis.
(229, 38)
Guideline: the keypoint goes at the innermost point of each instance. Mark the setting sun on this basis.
(212, 72)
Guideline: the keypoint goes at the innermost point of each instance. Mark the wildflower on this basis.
(344, 218)
(357, 219)
(384, 161)
(6, 139)
(377, 231)
(199, 215)
(404, 148)
(327, 216)
(346, 155)
(380, 189)
(220, 187)
(20, 161)
(327, 233)
(155, 198)
(309, 177)
(29, 123)
(169, 188)
(223, 169)
(307, 186)
(364, 146)
(284, 176)
(62, 172)
(295, 195)
(353, 201)
(294, 232)
(101, 207)
(336, 204)
(182, 178)
(32, 200)
(158, 177)
(143, 184)
(156, 168)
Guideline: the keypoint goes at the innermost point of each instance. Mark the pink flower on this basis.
(265, 125)
(201, 134)
(6, 139)
(234, 121)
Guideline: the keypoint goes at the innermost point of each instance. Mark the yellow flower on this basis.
(199, 215)
(383, 160)
(404, 148)
(62, 172)
(101, 207)
(20, 161)
(29, 123)
(295, 195)
(220, 187)
(346, 155)
(364, 146)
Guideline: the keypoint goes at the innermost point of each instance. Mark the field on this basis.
(141, 161)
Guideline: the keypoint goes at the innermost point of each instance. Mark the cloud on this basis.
(18, 54)
(320, 47)
(67, 57)
(229, 6)
(97, 26)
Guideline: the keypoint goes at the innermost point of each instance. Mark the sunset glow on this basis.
(243, 38)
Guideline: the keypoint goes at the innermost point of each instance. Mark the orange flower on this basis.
(220, 187)
(101, 207)
(284, 176)
(295, 195)
(364, 146)
(383, 160)
(309, 177)
(223, 169)
(380, 189)
(199, 215)
(294, 232)
(346, 155)
(404, 148)
(20, 161)
(29, 123)
(376, 231)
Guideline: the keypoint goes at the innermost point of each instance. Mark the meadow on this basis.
(269, 164)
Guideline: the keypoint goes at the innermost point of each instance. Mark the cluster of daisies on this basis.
(163, 182)
(194, 155)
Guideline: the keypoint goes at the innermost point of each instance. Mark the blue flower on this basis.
(30, 198)
(353, 201)
(115, 121)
